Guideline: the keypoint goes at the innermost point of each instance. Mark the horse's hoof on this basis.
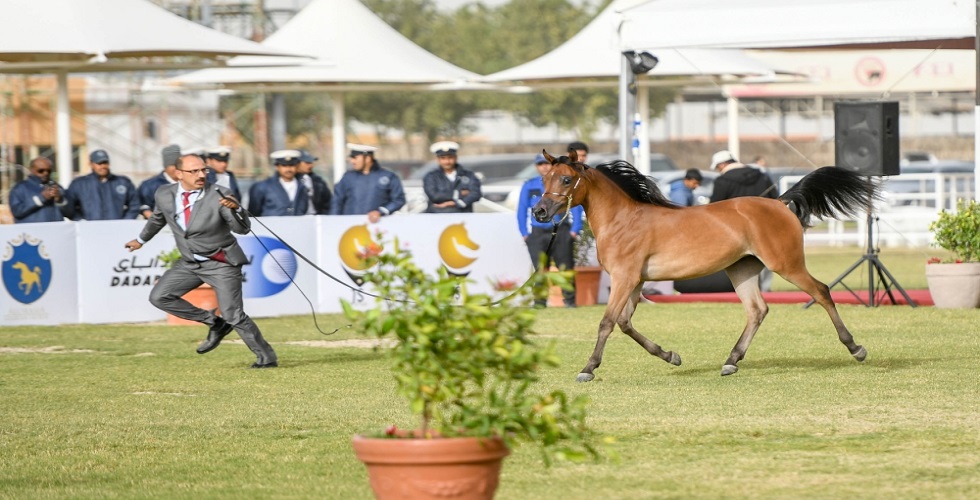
(584, 377)
(860, 354)
(675, 359)
(728, 370)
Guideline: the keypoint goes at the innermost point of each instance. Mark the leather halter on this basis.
(568, 198)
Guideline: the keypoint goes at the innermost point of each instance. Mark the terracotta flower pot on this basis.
(954, 285)
(204, 297)
(440, 468)
(587, 285)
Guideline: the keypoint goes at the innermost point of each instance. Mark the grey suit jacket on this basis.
(209, 230)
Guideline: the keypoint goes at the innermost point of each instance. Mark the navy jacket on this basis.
(27, 204)
(531, 192)
(741, 181)
(269, 198)
(321, 193)
(438, 189)
(358, 193)
(232, 182)
(116, 198)
(148, 189)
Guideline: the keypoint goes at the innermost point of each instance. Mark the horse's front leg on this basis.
(626, 325)
(618, 297)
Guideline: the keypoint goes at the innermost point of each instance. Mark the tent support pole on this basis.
(63, 131)
(643, 108)
(733, 143)
(625, 108)
(339, 132)
(976, 108)
(277, 125)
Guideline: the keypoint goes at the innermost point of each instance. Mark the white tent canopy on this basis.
(354, 50)
(796, 23)
(65, 36)
(596, 52)
(928, 24)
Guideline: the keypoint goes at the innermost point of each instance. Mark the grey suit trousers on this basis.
(227, 283)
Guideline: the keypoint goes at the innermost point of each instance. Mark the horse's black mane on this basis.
(638, 186)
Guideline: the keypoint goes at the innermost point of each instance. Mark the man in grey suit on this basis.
(202, 218)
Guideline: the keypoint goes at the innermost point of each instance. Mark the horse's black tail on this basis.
(830, 192)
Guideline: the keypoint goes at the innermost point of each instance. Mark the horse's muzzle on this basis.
(543, 211)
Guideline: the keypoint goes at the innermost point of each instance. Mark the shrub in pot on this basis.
(955, 283)
(467, 367)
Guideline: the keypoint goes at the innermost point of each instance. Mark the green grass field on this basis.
(131, 411)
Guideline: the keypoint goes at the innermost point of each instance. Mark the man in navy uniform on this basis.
(316, 188)
(217, 159)
(450, 188)
(103, 195)
(37, 198)
(367, 188)
(282, 193)
(149, 187)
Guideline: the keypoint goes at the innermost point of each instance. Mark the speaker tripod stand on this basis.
(875, 267)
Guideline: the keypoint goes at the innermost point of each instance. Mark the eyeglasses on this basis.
(196, 171)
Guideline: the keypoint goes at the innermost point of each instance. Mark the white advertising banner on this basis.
(80, 272)
(486, 248)
(114, 283)
(40, 286)
(874, 72)
(267, 289)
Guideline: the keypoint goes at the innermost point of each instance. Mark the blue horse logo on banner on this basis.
(26, 272)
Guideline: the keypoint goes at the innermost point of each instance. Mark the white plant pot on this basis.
(954, 286)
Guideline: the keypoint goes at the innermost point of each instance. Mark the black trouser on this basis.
(561, 252)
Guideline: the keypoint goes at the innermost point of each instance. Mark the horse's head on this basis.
(563, 187)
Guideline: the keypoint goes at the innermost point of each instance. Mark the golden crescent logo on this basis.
(450, 240)
(352, 245)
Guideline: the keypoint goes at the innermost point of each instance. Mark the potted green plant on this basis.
(467, 366)
(203, 296)
(588, 272)
(955, 283)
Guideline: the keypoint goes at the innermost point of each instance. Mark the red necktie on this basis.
(187, 208)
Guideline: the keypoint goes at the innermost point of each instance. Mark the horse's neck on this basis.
(604, 202)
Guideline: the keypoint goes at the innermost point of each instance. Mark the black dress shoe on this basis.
(272, 364)
(215, 335)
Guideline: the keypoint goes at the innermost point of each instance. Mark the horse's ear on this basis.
(573, 156)
(551, 159)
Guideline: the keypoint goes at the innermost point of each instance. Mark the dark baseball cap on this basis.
(99, 156)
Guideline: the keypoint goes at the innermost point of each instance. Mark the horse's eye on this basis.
(566, 180)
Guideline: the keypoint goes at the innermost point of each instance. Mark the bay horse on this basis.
(641, 236)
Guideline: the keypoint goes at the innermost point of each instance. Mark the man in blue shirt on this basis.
(282, 193)
(537, 235)
(367, 188)
(149, 187)
(37, 198)
(682, 190)
(103, 195)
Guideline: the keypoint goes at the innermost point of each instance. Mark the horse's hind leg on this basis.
(821, 294)
(744, 275)
(626, 325)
